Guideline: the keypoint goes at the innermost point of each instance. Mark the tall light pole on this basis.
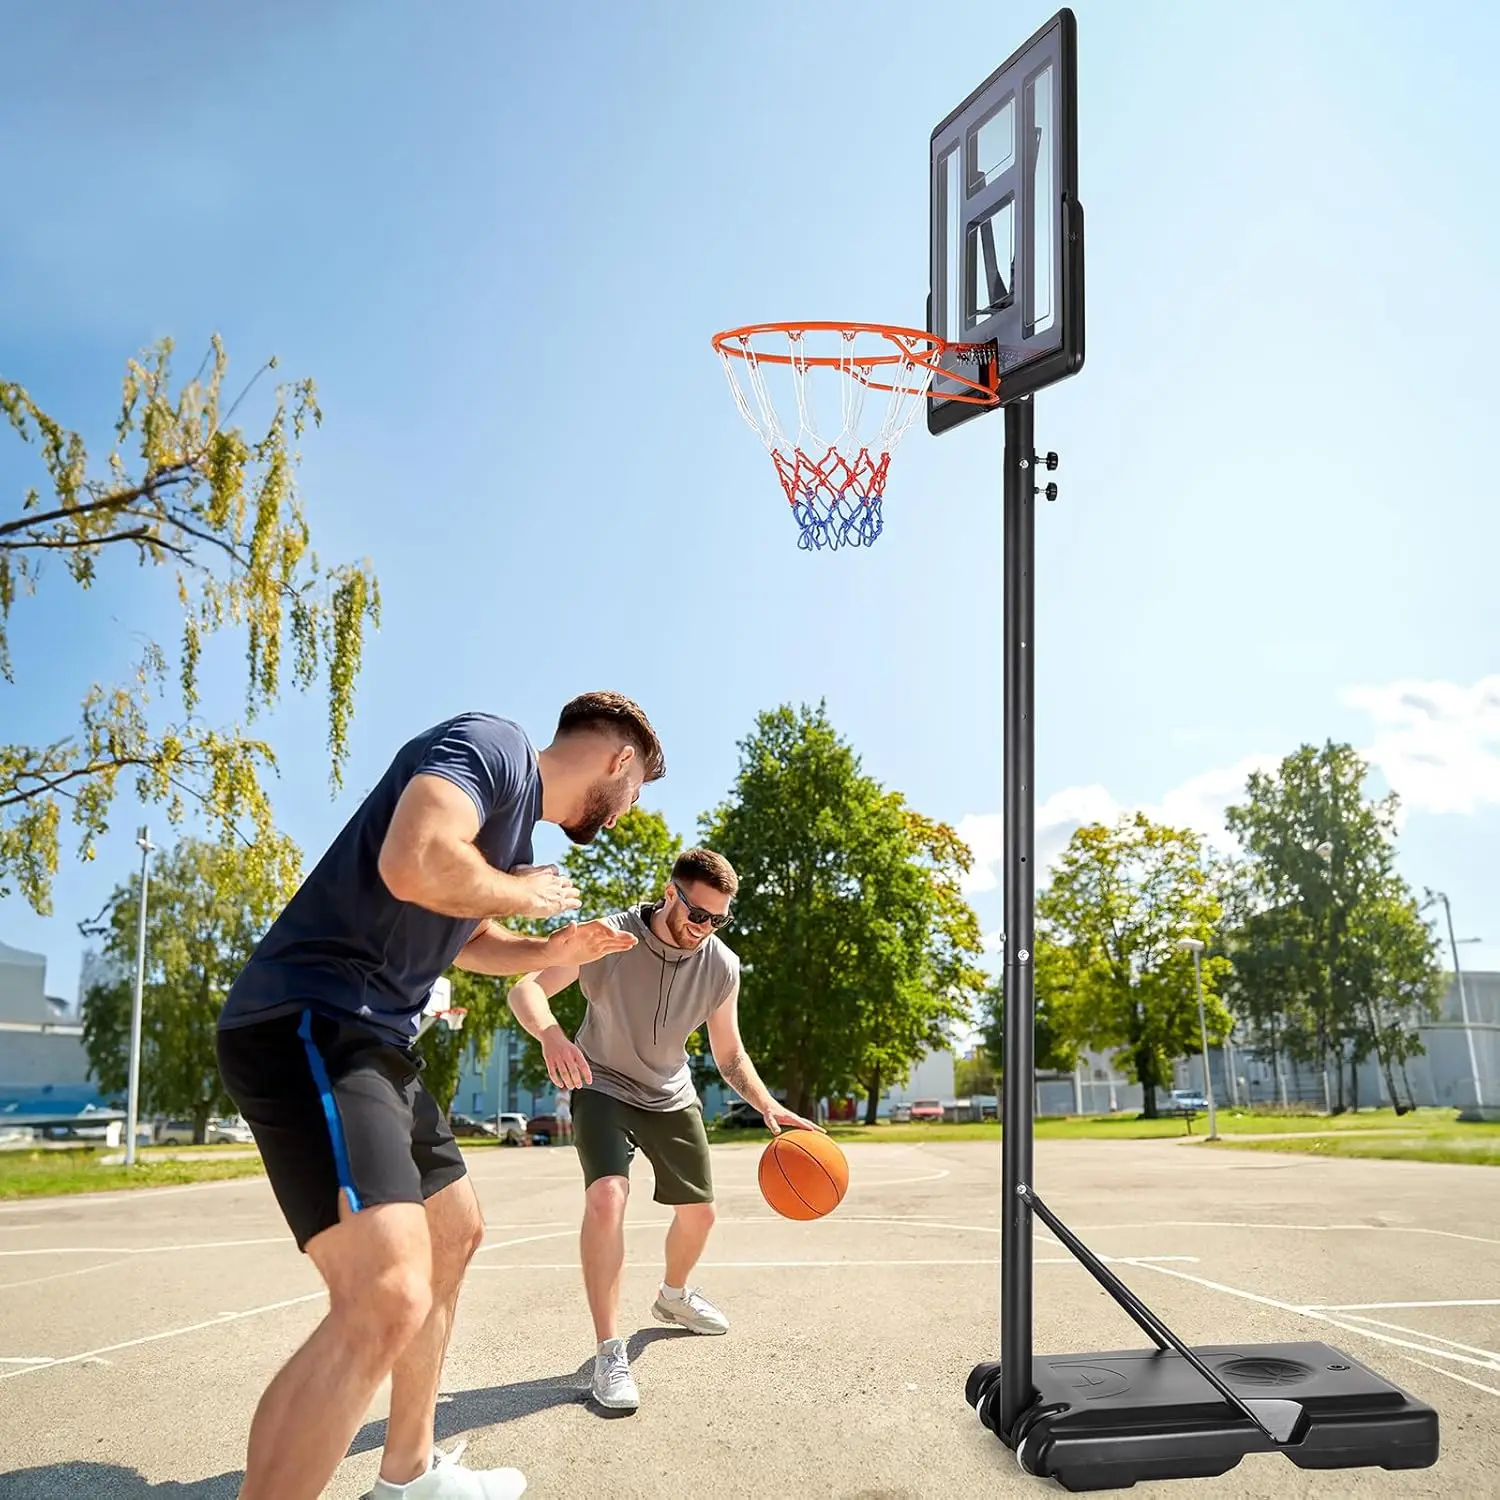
(1463, 997)
(144, 844)
(1195, 946)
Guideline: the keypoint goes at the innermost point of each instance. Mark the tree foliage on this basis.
(1332, 961)
(443, 1051)
(221, 511)
(1118, 904)
(626, 865)
(1059, 1021)
(207, 904)
(857, 949)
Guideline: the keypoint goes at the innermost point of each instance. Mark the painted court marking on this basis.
(805, 1265)
(153, 1338)
(1425, 1346)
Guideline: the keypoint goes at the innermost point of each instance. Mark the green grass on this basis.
(1372, 1125)
(1428, 1135)
(37, 1174)
(1469, 1145)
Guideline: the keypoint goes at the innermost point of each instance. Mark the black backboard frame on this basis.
(1054, 360)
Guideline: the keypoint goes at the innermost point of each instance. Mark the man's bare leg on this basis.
(691, 1225)
(378, 1268)
(456, 1228)
(601, 1245)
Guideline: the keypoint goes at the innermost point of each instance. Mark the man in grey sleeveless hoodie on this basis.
(632, 1089)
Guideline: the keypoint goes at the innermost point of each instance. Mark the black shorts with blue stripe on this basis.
(336, 1109)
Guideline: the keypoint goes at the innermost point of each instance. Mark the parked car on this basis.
(232, 1132)
(174, 1133)
(926, 1109)
(1186, 1099)
(466, 1125)
(742, 1116)
(512, 1128)
(542, 1129)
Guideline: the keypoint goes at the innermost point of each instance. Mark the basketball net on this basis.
(780, 375)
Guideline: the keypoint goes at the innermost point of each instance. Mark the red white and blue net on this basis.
(830, 402)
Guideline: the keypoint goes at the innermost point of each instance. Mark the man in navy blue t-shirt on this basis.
(314, 1046)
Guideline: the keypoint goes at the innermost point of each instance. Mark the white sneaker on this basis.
(691, 1310)
(614, 1385)
(447, 1479)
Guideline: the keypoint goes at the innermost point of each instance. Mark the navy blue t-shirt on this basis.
(344, 944)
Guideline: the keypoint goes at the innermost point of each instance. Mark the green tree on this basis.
(857, 951)
(1114, 912)
(443, 1052)
(207, 904)
(221, 511)
(1333, 962)
(976, 1075)
(626, 865)
(1057, 1026)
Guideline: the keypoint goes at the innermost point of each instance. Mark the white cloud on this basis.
(1198, 804)
(1437, 744)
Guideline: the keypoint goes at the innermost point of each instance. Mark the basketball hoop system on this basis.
(835, 485)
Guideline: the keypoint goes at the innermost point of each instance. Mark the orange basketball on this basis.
(803, 1175)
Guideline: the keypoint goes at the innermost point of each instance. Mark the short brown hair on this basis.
(712, 869)
(614, 713)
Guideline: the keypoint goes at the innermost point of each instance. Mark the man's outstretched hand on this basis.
(580, 943)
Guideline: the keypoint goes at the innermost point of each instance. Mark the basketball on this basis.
(803, 1175)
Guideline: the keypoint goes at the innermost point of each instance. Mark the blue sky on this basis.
(500, 240)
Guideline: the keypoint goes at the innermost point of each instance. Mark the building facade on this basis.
(44, 1069)
(1459, 1067)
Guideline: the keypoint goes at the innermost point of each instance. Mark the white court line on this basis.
(1447, 1234)
(280, 1239)
(134, 1195)
(103, 1265)
(798, 1265)
(1321, 1317)
(1354, 1307)
(1489, 1390)
(1432, 1338)
(170, 1333)
(883, 1182)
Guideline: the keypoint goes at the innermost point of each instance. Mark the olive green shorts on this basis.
(607, 1132)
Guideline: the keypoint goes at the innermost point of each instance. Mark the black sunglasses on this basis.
(698, 915)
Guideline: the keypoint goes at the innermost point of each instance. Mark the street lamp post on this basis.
(1463, 998)
(144, 844)
(1195, 946)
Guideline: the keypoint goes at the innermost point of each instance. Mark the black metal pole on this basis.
(1017, 1391)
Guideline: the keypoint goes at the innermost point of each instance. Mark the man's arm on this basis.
(494, 950)
(429, 858)
(736, 1069)
(567, 1067)
(730, 1057)
(530, 993)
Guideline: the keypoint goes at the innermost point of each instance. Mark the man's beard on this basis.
(596, 810)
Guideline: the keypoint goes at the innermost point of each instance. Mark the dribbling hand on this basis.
(548, 891)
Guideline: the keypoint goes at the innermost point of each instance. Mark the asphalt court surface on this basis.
(137, 1330)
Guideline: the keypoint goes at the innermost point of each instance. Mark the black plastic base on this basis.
(1104, 1421)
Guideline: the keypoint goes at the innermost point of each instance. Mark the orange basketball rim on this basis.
(834, 478)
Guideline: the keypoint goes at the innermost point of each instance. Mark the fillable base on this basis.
(1104, 1421)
